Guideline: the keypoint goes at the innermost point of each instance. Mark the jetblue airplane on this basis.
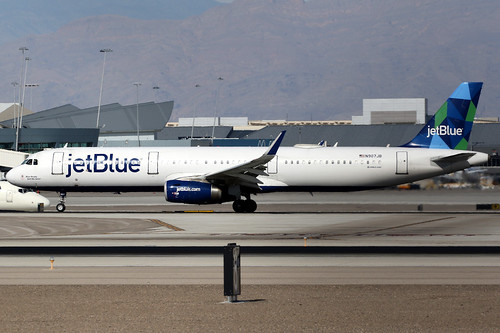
(206, 175)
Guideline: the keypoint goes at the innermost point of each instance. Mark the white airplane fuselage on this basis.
(201, 175)
(292, 169)
(13, 198)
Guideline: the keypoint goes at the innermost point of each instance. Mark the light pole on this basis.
(23, 49)
(155, 90)
(194, 113)
(220, 79)
(137, 84)
(14, 84)
(31, 86)
(21, 106)
(102, 82)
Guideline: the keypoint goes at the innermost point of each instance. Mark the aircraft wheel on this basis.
(239, 206)
(60, 207)
(250, 206)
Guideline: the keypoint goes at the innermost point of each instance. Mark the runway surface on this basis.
(452, 287)
(144, 221)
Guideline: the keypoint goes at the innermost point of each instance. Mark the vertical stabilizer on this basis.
(451, 126)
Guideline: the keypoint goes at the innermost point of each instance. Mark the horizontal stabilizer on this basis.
(453, 158)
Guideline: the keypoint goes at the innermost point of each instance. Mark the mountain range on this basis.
(277, 59)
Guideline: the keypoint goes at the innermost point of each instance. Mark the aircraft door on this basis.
(57, 163)
(10, 196)
(402, 163)
(272, 166)
(153, 163)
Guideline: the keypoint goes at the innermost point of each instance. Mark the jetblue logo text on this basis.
(100, 163)
(443, 130)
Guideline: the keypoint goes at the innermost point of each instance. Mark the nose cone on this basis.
(9, 176)
(13, 177)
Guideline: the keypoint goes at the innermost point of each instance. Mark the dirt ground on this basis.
(268, 308)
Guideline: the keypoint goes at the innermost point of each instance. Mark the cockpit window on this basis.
(30, 161)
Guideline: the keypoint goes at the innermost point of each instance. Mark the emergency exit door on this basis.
(153, 163)
(402, 162)
(272, 166)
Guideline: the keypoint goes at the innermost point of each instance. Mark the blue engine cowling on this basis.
(192, 192)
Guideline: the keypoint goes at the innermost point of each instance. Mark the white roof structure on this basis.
(5, 106)
(7, 111)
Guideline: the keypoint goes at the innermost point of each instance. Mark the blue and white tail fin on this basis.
(451, 126)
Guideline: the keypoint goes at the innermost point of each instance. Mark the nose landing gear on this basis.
(61, 207)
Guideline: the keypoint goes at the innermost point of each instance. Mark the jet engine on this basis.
(192, 192)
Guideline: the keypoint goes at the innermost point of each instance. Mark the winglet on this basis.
(273, 148)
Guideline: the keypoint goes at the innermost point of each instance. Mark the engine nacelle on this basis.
(192, 192)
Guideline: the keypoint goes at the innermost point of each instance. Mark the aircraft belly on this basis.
(336, 177)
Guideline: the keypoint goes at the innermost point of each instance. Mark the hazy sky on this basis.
(26, 17)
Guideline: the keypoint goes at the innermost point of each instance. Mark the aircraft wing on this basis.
(246, 174)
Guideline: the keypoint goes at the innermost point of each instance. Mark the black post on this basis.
(232, 272)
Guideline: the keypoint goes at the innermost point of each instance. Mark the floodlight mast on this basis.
(14, 84)
(22, 89)
(137, 84)
(220, 79)
(194, 113)
(102, 82)
(23, 49)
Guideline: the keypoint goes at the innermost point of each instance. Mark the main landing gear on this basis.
(244, 206)
(61, 207)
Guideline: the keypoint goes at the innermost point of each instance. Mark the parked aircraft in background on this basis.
(204, 175)
(13, 198)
